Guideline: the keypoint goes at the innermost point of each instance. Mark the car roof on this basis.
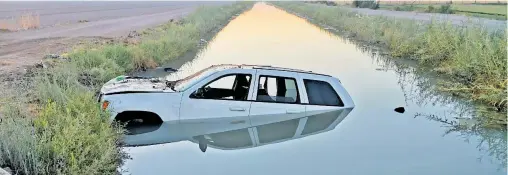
(264, 67)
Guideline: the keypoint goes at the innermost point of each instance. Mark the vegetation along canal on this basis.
(436, 134)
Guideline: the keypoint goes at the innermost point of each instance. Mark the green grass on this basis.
(70, 134)
(497, 12)
(488, 9)
(479, 15)
(473, 59)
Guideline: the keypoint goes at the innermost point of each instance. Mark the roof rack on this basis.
(266, 67)
(281, 68)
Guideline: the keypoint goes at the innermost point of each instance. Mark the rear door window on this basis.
(230, 139)
(321, 93)
(277, 89)
(277, 131)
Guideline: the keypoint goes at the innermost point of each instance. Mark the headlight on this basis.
(105, 105)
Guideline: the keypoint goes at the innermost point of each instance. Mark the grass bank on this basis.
(472, 59)
(67, 133)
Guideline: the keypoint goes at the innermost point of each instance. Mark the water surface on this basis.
(372, 139)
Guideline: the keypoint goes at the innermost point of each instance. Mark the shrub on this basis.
(365, 4)
(18, 141)
(446, 9)
(430, 9)
(374, 6)
(355, 3)
(76, 138)
(328, 3)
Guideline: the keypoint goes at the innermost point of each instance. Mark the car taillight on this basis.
(105, 105)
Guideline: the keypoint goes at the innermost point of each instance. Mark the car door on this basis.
(276, 97)
(224, 106)
(324, 108)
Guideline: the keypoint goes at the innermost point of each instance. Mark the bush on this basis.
(430, 9)
(18, 141)
(446, 9)
(328, 3)
(365, 4)
(77, 138)
(355, 3)
(374, 6)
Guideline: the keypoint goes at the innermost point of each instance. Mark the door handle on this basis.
(237, 122)
(292, 111)
(236, 109)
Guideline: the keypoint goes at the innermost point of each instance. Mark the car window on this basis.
(277, 131)
(230, 139)
(321, 93)
(277, 89)
(229, 87)
(320, 122)
(224, 82)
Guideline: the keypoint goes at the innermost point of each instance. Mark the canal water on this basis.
(372, 139)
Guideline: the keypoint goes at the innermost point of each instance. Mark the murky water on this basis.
(372, 139)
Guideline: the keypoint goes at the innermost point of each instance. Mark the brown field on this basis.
(23, 22)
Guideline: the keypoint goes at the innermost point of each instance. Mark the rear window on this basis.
(321, 93)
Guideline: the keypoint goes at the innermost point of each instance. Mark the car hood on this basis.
(127, 84)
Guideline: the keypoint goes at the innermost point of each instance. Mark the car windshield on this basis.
(191, 77)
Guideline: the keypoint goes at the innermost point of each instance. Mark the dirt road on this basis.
(427, 17)
(63, 24)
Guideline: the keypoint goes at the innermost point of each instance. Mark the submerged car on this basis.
(225, 98)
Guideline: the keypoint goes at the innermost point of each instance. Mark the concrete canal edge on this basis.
(4, 172)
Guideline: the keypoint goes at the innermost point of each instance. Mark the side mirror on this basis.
(203, 143)
(200, 93)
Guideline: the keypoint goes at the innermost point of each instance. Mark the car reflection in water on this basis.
(227, 136)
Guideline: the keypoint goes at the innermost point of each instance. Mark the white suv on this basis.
(225, 98)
